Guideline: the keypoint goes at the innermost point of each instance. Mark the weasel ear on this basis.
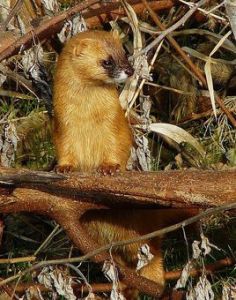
(116, 34)
(81, 46)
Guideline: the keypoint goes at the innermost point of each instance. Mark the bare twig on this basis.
(168, 88)
(96, 287)
(194, 117)
(16, 260)
(47, 240)
(113, 11)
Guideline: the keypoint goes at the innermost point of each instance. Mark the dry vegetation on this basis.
(181, 103)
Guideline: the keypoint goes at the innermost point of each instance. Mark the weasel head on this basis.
(99, 56)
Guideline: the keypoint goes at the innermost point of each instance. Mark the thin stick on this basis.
(167, 88)
(194, 117)
(17, 260)
(45, 242)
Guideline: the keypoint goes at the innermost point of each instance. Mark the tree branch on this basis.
(188, 188)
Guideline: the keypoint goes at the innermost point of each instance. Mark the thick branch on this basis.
(165, 188)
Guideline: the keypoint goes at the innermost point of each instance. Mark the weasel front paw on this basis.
(64, 168)
(107, 169)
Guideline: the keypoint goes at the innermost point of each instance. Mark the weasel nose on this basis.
(129, 71)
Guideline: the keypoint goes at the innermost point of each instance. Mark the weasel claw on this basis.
(109, 169)
(64, 168)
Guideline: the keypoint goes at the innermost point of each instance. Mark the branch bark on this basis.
(188, 188)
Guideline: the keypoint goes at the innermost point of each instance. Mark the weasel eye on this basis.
(108, 63)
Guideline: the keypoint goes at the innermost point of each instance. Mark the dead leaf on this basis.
(181, 283)
(144, 256)
(177, 134)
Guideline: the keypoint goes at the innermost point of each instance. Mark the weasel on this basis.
(90, 128)
(91, 133)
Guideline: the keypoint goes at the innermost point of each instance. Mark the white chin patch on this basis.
(121, 77)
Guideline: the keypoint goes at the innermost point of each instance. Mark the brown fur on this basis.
(90, 126)
(91, 132)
